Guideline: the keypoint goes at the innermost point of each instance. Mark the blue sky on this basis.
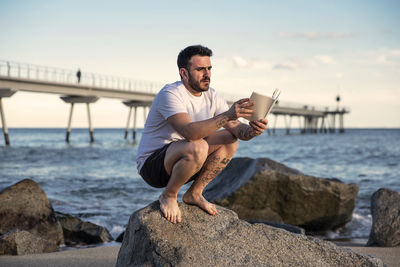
(311, 50)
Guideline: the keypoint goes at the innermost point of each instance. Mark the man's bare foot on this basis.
(169, 207)
(199, 200)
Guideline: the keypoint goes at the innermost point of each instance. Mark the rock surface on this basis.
(223, 240)
(78, 232)
(25, 206)
(287, 227)
(262, 189)
(21, 242)
(385, 210)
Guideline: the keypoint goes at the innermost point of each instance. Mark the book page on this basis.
(262, 106)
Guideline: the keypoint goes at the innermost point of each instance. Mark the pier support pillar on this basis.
(5, 92)
(287, 124)
(274, 126)
(322, 129)
(135, 104)
(69, 123)
(144, 115)
(333, 126)
(72, 99)
(134, 124)
(127, 124)
(90, 123)
(3, 122)
(341, 126)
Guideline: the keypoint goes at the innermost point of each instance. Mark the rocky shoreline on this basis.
(265, 195)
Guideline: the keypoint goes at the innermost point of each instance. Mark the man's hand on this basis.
(240, 109)
(247, 132)
(258, 127)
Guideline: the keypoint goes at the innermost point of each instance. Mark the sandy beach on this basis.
(107, 257)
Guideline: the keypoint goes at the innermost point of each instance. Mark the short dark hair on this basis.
(186, 54)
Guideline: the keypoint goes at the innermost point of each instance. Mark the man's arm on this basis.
(182, 123)
(246, 132)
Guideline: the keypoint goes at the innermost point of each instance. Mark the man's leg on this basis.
(182, 160)
(222, 147)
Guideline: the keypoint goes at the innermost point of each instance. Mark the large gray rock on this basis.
(78, 232)
(385, 210)
(21, 242)
(223, 240)
(25, 206)
(262, 189)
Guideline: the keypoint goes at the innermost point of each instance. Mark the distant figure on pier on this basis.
(183, 141)
(78, 75)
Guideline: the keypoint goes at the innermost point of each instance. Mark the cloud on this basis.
(324, 59)
(315, 35)
(288, 65)
(241, 62)
(389, 57)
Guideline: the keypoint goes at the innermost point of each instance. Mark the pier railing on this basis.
(68, 76)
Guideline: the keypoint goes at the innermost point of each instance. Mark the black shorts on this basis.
(153, 170)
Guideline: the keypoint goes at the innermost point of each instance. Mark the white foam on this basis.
(117, 229)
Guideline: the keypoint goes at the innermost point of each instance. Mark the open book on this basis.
(263, 104)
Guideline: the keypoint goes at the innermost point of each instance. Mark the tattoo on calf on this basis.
(211, 171)
(225, 161)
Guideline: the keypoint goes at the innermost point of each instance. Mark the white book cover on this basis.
(262, 104)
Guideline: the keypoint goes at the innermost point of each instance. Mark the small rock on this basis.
(19, 242)
(25, 206)
(385, 210)
(120, 238)
(223, 240)
(262, 189)
(78, 232)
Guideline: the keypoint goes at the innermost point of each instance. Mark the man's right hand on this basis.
(240, 109)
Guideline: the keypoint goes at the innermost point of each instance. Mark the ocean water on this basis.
(99, 182)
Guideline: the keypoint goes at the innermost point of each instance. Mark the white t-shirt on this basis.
(172, 99)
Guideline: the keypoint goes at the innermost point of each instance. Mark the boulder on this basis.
(287, 227)
(21, 242)
(262, 189)
(78, 232)
(385, 210)
(25, 206)
(223, 240)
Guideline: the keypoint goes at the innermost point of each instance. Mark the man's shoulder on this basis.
(173, 87)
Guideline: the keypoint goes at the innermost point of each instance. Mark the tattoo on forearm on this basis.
(225, 161)
(246, 132)
(221, 121)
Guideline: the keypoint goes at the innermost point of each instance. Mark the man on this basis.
(78, 75)
(182, 140)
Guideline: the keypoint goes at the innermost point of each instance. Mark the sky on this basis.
(311, 50)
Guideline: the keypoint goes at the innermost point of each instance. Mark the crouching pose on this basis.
(182, 139)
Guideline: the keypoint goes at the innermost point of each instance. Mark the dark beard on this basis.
(196, 85)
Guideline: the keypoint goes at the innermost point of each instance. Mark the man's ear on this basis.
(184, 73)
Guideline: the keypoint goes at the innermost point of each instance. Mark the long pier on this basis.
(77, 88)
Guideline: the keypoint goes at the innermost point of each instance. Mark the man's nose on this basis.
(207, 73)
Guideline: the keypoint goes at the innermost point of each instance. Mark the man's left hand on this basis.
(258, 127)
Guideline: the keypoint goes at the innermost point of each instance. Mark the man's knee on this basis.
(197, 151)
(232, 146)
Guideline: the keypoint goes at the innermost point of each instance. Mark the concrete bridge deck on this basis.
(88, 87)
